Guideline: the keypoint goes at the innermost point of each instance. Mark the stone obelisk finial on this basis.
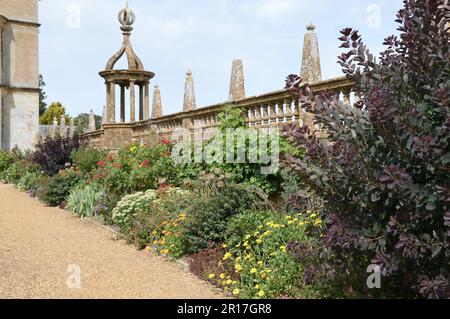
(62, 127)
(237, 83)
(311, 69)
(54, 128)
(104, 116)
(157, 110)
(71, 128)
(91, 126)
(189, 103)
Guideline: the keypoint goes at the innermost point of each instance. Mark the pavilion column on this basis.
(122, 103)
(132, 103)
(141, 102)
(147, 101)
(108, 98)
(112, 102)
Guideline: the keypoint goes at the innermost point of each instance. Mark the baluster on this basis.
(247, 117)
(273, 114)
(265, 115)
(258, 116)
(346, 98)
(280, 114)
(288, 113)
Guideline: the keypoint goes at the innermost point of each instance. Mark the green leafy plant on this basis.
(86, 159)
(208, 215)
(58, 187)
(16, 170)
(262, 265)
(29, 182)
(84, 200)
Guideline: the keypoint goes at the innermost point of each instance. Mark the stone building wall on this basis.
(19, 73)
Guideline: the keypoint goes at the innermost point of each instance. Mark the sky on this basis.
(77, 38)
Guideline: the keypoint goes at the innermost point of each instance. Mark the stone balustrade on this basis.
(265, 111)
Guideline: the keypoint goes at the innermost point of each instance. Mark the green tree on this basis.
(42, 96)
(54, 110)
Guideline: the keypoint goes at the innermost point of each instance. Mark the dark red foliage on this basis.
(53, 155)
(384, 175)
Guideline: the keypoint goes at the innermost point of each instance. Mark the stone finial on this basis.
(189, 103)
(237, 83)
(91, 126)
(311, 70)
(62, 127)
(104, 116)
(157, 104)
(54, 128)
(71, 128)
(38, 138)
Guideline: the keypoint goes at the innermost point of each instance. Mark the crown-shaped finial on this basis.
(127, 18)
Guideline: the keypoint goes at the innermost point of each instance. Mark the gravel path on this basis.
(38, 244)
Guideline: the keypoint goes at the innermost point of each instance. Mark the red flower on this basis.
(163, 186)
(145, 163)
(166, 142)
(101, 164)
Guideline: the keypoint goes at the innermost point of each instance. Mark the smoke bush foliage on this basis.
(385, 172)
(53, 155)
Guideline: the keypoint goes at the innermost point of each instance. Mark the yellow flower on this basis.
(259, 241)
(225, 246)
(236, 292)
(262, 274)
(246, 244)
(222, 276)
(211, 276)
(257, 287)
(260, 263)
(283, 249)
(318, 222)
(227, 256)
(273, 254)
(224, 283)
(290, 222)
(164, 252)
(253, 271)
(229, 282)
(313, 216)
(261, 294)
(238, 245)
(238, 267)
(238, 259)
(154, 233)
(247, 237)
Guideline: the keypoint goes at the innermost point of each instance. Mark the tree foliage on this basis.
(42, 96)
(54, 110)
(385, 173)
